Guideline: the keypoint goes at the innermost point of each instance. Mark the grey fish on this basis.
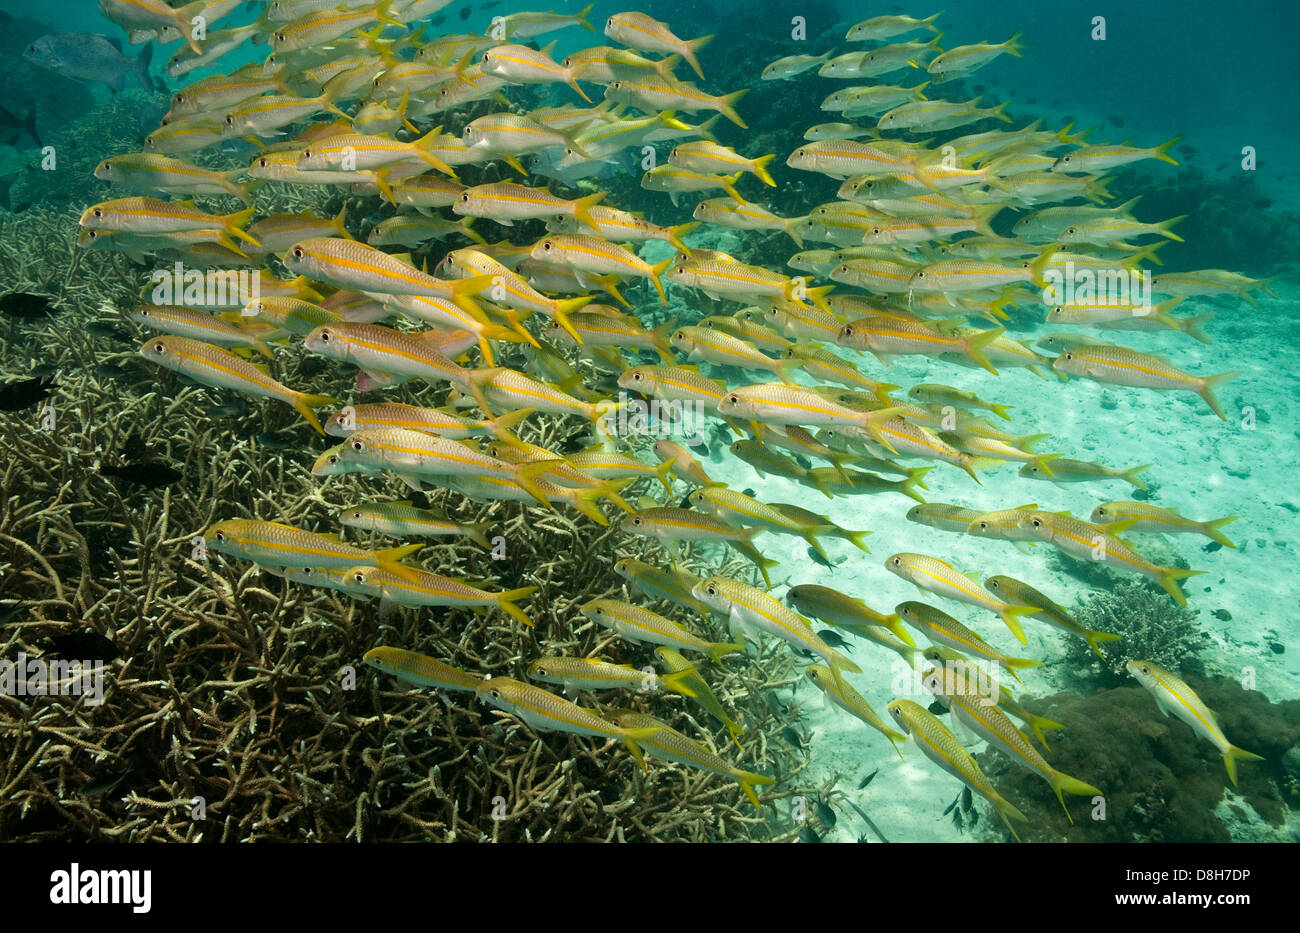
(13, 127)
(89, 56)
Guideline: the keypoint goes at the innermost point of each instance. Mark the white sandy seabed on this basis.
(1205, 468)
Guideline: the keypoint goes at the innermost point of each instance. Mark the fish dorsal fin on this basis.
(1029, 505)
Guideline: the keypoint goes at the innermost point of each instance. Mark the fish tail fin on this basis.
(1191, 326)
(1163, 228)
(1161, 151)
(1094, 638)
(692, 48)
(720, 649)
(676, 233)
(748, 780)
(1001, 411)
(1097, 190)
(632, 739)
(1212, 531)
(818, 297)
(1012, 664)
(983, 218)
(815, 543)
(1040, 263)
(1169, 577)
(477, 532)
(1209, 384)
(895, 624)
(859, 540)
(500, 426)
(1131, 476)
(1000, 112)
(384, 16)
(426, 143)
(1064, 784)
(582, 208)
(573, 83)
(659, 269)
(506, 603)
(526, 476)
(677, 681)
(141, 69)
(234, 223)
(581, 17)
(729, 186)
(1230, 760)
(914, 480)
(665, 67)
(974, 345)
(760, 169)
(1011, 616)
(1043, 462)
(303, 403)
(664, 472)
(727, 106)
(566, 307)
(1037, 724)
(381, 182)
(1007, 811)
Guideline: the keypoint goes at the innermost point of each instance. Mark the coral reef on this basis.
(1153, 626)
(1162, 783)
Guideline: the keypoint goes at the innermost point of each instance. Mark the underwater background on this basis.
(249, 692)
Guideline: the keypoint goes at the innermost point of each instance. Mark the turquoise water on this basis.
(1222, 79)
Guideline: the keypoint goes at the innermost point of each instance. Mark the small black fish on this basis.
(438, 20)
(228, 409)
(45, 369)
(956, 820)
(13, 128)
(686, 502)
(110, 371)
(792, 736)
(826, 814)
(464, 13)
(1221, 166)
(1264, 202)
(750, 492)
(84, 646)
(101, 787)
(8, 612)
(818, 559)
(1118, 121)
(948, 809)
(834, 639)
(867, 780)
(803, 461)
(100, 329)
(312, 365)
(808, 834)
(972, 818)
(937, 709)
(491, 4)
(966, 803)
(276, 440)
(151, 474)
(15, 396)
(27, 306)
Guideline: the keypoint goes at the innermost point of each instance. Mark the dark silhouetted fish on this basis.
(808, 834)
(152, 474)
(100, 329)
(13, 128)
(231, 409)
(15, 396)
(832, 638)
(111, 371)
(45, 369)
(277, 440)
(464, 13)
(84, 646)
(867, 780)
(27, 306)
(89, 57)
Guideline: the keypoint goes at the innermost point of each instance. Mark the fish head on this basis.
(223, 537)
(982, 527)
(327, 341)
(496, 692)
(899, 565)
(160, 350)
(636, 524)
(639, 378)
(711, 593)
(45, 53)
(1145, 672)
(1070, 363)
(899, 710)
(330, 463)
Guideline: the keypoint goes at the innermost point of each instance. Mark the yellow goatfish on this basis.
(941, 746)
(1122, 366)
(545, 712)
(940, 577)
(155, 217)
(273, 544)
(943, 629)
(1143, 516)
(699, 687)
(181, 321)
(1092, 542)
(670, 745)
(646, 34)
(849, 700)
(425, 588)
(641, 625)
(754, 611)
(986, 720)
(213, 366)
(1174, 696)
(420, 670)
(1049, 611)
(594, 674)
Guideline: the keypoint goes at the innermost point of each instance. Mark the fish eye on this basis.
(992, 584)
(897, 562)
(711, 590)
(98, 212)
(496, 694)
(306, 153)
(297, 253)
(357, 445)
(324, 336)
(984, 526)
(465, 198)
(1146, 670)
(263, 163)
(636, 521)
(279, 37)
(356, 514)
(733, 399)
(1037, 523)
(1071, 229)
(1100, 510)
(159, 348)
(920, 275)
(1069, 356)
(359, 577)
(230, 121)
(546, 245)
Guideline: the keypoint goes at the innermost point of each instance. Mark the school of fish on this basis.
(363, 96)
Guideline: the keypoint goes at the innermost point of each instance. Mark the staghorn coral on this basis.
(1153, 626)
